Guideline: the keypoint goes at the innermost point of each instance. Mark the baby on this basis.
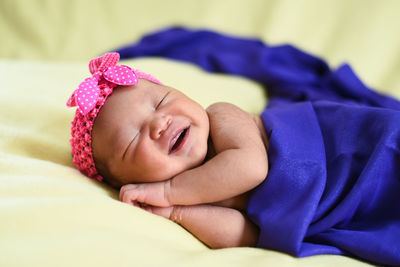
(332, 165)
(168, 155)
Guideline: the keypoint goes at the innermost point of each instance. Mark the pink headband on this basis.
(89, 98)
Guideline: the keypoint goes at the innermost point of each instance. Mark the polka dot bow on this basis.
(104, 70)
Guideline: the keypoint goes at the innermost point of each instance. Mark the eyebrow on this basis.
(126, 150)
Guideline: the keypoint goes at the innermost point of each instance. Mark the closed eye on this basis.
(126, 150)
(159, 104)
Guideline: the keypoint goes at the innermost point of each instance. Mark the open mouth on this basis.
(179, 140)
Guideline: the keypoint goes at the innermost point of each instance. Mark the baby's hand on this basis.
(150, 194)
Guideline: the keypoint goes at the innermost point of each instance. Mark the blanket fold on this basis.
(334, 181)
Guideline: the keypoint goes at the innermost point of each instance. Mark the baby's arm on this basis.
(217, 227)
(239, 165)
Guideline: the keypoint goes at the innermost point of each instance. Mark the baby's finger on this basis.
(124, 189)
(147, 208)
(130, 197)
(135, 204)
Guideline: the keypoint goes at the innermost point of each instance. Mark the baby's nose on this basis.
(159, 125)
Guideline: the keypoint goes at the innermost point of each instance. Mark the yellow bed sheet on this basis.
(50, 215)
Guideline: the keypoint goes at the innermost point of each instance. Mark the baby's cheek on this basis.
(152, 165)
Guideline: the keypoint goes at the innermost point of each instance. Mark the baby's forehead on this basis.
(137, 93)
(132, 96)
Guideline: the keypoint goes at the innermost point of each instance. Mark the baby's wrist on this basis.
(176, 214)
(167, 192)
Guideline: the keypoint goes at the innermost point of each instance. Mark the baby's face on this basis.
(148, 133)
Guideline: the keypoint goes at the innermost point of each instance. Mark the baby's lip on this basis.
(178, 139)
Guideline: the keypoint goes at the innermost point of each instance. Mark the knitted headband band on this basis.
(89, 97)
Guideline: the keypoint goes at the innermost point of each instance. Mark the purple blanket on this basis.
(334, 181)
